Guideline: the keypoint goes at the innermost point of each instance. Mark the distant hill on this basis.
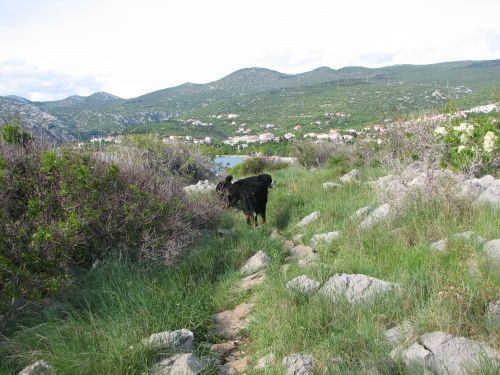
(260, 96)
(39, 123)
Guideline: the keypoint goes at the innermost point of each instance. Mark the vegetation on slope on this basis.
(61, 210)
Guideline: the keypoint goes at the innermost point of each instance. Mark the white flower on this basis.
(470, 129)
(440, 130)
(462, 127)
(464, 137)
(489, 142)
(461, 148)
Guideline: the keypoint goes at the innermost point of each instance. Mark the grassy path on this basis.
(118, 304)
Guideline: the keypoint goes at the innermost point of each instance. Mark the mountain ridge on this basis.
(262, 95)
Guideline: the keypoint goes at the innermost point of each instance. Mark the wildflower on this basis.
(461, 148)
(464, 137)
(462, 127)
(489, 142)
(470, 130)
(440, 130)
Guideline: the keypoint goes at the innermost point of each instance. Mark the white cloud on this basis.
(19, 78)
(135, 47)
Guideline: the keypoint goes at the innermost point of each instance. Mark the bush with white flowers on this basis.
(472, 144)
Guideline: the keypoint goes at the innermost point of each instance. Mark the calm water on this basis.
(229, 161)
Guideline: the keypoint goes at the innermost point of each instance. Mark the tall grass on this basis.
(118, 304)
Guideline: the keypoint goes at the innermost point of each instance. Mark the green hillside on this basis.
(261, 96)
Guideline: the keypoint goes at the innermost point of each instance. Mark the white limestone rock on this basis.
(355, 288)
(255, 263)
(181, 340)
(303, 285)
(309, 219)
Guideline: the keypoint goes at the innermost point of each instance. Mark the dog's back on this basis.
(250, 192)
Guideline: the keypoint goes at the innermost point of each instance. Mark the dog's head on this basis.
(267, 180)
(223, 185)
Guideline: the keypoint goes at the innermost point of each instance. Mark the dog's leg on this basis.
(255, 223)
(263, 215)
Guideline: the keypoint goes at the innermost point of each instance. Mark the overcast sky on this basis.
(50, 49)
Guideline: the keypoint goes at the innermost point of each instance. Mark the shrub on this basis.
(471, 146)
(313, 155)
(60, 209)
(13, 134)
(252, 166)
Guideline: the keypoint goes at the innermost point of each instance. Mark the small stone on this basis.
(469, 236)
(39, 367)
(399, 334)
(275, 234)
(355, 288)
(223, 232)
(350, 177)
(363, 211)
(230, 322)
(200, 187)
(309, 219)
(303, 252)
(224, 347)
(298, 238)
(330, 185)
(256, 262)
(179, 340)
(493, 311)
(491, 195)
(179, 364)
(439, 245)
(492, 251)
(327, 238)
(415, 355)
(238, 366)
(457, 355)
(375, 216)
(303, 285)
(487, 181)
(288, 245)
(252, 281)
(471, 188)
(266, 361)
(298, 364)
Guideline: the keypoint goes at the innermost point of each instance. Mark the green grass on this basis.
(118, 304)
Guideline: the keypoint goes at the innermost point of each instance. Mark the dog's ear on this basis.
(229, 179)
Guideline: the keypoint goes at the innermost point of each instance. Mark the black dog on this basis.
(250, 192)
